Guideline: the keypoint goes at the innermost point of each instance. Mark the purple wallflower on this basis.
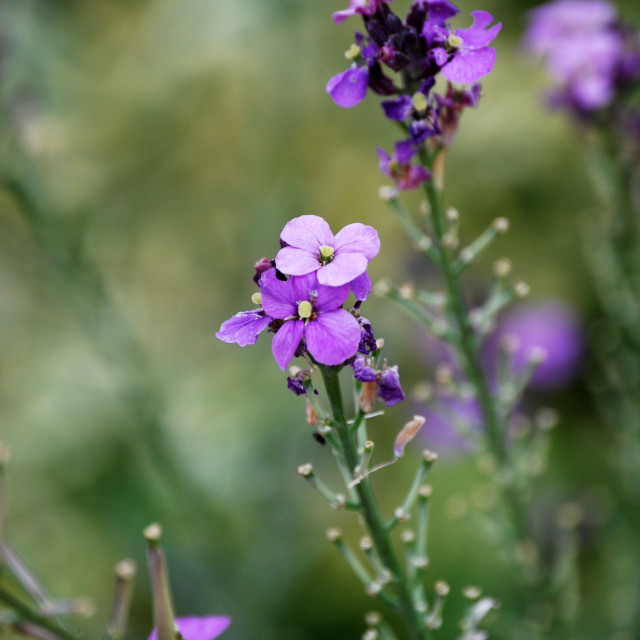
(586, 51)
(194, 628)
(244, 327)
(337, 260)
(387, 380)
(311, 311)
(472, 55)
(399, 167)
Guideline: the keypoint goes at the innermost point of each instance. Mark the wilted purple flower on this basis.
(472, 55)
(399, 167)
(194, 628)
(587, 52)
(349, 87)
(337, 260)
(311, 311)
(549, 326)
(244, 327)
(387, 380)
(296, 385)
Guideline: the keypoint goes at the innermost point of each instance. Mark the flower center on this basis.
(454, 41)
(325, 253)
(256, 298)
(305, 308)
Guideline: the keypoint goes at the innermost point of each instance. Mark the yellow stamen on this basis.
(454, 41)
(352, 52)
(419, 101)
(304, 309)
(325, 253)
(256, 298)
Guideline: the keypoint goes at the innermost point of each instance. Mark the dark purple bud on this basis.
(260, 266)
(380, 83)
(377, 32)
(367, 339)
(394, 24)
(296, 385)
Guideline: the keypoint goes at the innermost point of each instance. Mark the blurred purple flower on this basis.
(445, 417)
(551, 326)
(194, 628)
(586, 51)
(311, 311)
(337, 260)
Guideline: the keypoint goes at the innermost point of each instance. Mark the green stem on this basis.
(465, 341)
(31, 615)
(376, 526)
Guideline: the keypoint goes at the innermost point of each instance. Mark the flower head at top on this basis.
(472, 55)
(311, 311)
(337, 260)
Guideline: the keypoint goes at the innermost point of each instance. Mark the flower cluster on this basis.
(402, 59)
(590, 54)
(302, 296)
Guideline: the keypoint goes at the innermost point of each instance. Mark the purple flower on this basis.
(194, 628)
(349, 87)
(337, 260)
(587, 52)
(472, 57)
(549, 326)
(399, 167)
(311, 311)
(387, 380)
(244, 327)
(364, 7)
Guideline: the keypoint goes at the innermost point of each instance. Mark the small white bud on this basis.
(441, 588)
(305, 470)
(502, 268)
(501, 225)
(521, 289)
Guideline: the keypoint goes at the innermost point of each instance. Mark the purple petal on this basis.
(349, 87)
(468, 66)
(330, 298)
(333, 337)
(244, 327)
(398, 109)
(358, 238)
(286, 341)
(361, 286)
(307, 232)
(441, 10)
(194, 628)
(344, 268)
(293, 261)
(277, 296)
(475, 36)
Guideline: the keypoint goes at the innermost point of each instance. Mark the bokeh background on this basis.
(151, 150)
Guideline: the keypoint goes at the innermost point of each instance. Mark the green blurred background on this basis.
(152, 150)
